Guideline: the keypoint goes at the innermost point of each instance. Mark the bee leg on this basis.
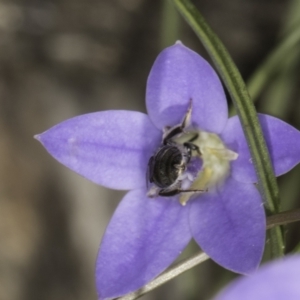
(170, 190)
(153, 192)
(170, 193)
(149, 172)
(166, 128)
(176, 189)
(170, 132)
(192, 191)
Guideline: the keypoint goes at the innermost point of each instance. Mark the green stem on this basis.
(170, 25)
(245, 109)
(283, 218)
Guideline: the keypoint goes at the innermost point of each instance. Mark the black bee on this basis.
(166, 168)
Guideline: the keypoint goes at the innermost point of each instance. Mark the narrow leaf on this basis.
(245, 109)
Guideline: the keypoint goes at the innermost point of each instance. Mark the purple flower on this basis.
(113, 148)
(275, 281)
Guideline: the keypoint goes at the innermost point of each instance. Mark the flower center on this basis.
(216, 161)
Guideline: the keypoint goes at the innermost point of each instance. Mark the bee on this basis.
(166, 168)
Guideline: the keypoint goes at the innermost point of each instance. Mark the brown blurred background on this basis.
(62, 58)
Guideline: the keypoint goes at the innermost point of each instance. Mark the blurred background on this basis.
(62, 58)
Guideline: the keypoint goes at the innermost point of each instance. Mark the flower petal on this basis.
(274, 281)
(282, 139)
(178, 75)
(229, 225)
(143, 238)
(111, 148)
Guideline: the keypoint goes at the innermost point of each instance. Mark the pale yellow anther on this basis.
(216, 162)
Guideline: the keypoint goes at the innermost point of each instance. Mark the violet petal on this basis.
(111, 148)
(178, 75)
(282, 139)
(229, 225)
(143, 238)
(274, 281)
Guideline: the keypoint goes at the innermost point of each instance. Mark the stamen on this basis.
(216, 162)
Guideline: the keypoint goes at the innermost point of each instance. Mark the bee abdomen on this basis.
(164, 169)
